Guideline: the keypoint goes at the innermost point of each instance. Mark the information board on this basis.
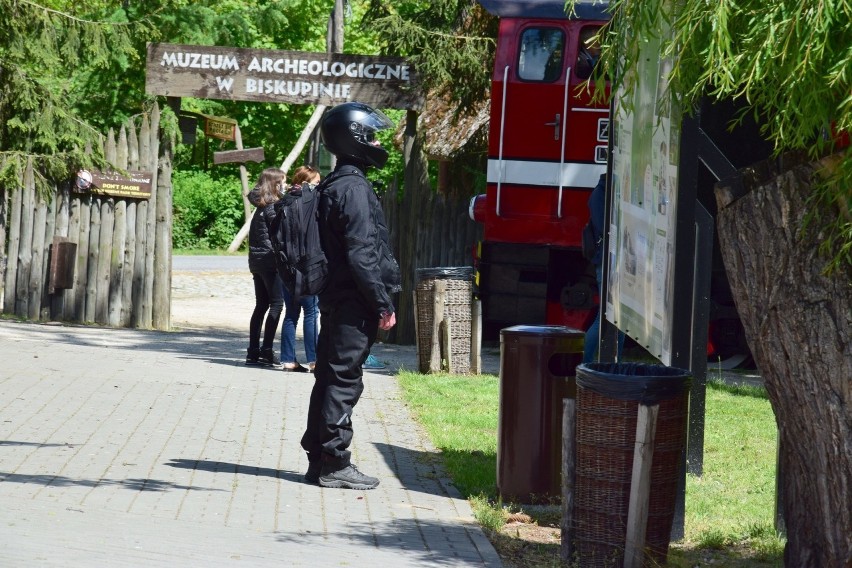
(645, 153)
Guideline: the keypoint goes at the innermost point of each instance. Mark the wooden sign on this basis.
(238, 156)
(221, 128)
(275, 76)
(135, 184)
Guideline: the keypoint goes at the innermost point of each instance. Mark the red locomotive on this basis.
(547, 148)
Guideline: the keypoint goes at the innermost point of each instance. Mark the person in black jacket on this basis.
(356, 303)
(597, 203)
(310, 175)
(268, 287)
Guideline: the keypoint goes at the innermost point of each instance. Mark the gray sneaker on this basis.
(348, 478)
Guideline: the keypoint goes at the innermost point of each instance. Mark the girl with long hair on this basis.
(268, 287)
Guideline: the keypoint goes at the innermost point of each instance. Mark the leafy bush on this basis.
(207, 212)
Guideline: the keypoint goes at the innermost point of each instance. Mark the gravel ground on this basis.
(222, 298)
(212, 299)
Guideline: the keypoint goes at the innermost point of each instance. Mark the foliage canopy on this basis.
(40, 48)
(789, 63)
(69, 70)
(445, 39)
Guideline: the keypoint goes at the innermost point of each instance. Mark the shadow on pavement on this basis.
(226, 467)
(402, 534)
(134, 484)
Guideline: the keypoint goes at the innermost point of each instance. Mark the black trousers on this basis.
(347, 331)
(268, 296)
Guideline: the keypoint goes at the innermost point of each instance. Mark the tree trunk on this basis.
(798, 323)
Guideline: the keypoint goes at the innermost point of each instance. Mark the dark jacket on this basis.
(596, 216)
(356, 242)
(261, 257)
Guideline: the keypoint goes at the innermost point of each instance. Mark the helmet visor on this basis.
(377, 120)
(366, 127)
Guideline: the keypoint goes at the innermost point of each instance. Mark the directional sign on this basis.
(221, 128)
(238, 156)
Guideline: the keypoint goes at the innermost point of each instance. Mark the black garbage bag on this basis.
(642, 382)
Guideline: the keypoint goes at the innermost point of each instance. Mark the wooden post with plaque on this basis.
(240, 156)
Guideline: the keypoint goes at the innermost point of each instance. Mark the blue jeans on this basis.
(590, 344)
(292, 311)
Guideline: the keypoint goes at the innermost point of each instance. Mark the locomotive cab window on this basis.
(588, 52)
(542, 54)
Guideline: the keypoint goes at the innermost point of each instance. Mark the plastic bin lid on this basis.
(642, 382)
(540, 330)
(445, 272)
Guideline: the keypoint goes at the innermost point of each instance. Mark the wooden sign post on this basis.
(239, 156)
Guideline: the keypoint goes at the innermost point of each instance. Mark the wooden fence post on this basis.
(640, 486)
(147, 310)
(25, 250)
(92, 262)
(4, 218)
(61, 228)
(438, 300)
(476, 336)
(119, 239)
(129, 268)
(36, 283)
(162, 306)
(14, 248)
(104, 252)
(418, 341)
(569, 465)
(448, 344)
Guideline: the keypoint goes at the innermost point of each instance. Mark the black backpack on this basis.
(294, 232)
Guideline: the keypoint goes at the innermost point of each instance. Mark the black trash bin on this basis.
(537, 366)
(608, 398)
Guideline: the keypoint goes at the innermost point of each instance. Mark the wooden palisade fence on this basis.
(121, 269)
(427, 230)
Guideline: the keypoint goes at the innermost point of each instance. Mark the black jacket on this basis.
(596, 216)
(355, 240)
(261, 258)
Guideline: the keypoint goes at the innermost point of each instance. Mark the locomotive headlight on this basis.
(476, 209)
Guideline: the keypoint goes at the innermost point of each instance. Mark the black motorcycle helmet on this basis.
(349, 131)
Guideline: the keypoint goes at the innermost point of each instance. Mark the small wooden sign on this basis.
(135, 184)
(238, 156)
(221, 128)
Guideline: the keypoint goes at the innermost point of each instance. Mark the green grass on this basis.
(729, 509)
(460, 414)
(207, 252)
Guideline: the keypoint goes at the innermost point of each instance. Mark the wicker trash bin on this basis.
(608, 398)
(456, 310)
